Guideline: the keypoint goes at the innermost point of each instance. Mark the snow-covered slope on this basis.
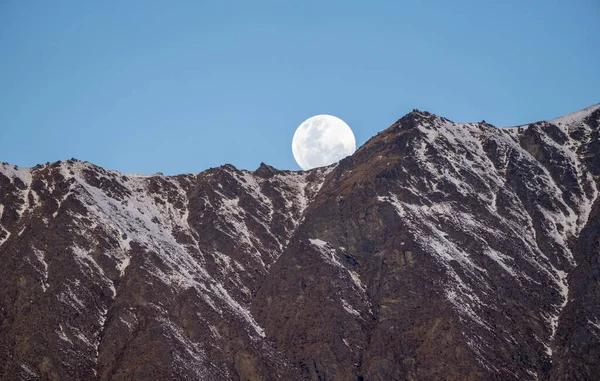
(112, 253)
(526, 214)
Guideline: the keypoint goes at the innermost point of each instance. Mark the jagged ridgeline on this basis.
(437, 251)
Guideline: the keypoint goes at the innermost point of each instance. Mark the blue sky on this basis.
(178, 87)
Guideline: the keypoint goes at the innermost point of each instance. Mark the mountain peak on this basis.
(414, 118)
(265, 171)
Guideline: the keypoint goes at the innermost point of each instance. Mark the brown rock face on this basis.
(438, 251)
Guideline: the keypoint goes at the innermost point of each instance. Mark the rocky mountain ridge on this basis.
(438, 250)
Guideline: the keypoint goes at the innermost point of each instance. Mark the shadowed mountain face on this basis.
(437, 251)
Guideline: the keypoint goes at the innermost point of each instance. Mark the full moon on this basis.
(322, 140)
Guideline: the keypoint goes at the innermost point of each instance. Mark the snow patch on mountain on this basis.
(329, 254)
(41, 267)
(574, 119)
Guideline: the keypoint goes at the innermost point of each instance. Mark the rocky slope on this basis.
(438, 250)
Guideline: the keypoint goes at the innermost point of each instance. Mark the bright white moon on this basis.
(322, 140)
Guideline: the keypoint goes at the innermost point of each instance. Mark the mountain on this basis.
(438, 251)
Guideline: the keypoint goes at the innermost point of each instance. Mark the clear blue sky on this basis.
(181, 86)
